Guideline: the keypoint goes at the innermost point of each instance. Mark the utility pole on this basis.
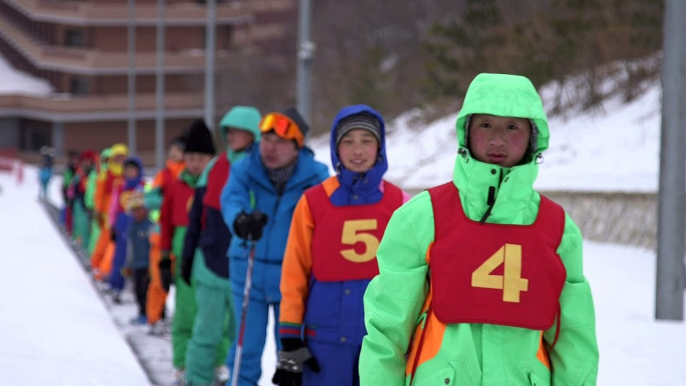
(131, 88)
(210, 50)
(669, 304)
(159, 88)
(306, 50)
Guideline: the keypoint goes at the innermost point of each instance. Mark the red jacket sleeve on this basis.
(166, 224)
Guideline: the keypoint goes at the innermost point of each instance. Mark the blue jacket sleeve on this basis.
(235, 196)
(194, 225)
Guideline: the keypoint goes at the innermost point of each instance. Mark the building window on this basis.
(79, 85)
(74, 38)
(35, 138)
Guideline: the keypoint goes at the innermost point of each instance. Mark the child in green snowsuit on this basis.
(481, 279)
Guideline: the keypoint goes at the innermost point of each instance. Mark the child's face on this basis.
(196, 162)
(277, 152)
(86, 164)
(139, 213)
(175, 154)
(119, 159)
(130, 172)
(238, 140)
(499, 140)
(357, 150)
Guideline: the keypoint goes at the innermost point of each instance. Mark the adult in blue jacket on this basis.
(257, 204)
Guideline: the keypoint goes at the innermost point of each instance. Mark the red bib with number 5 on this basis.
(500, 274)
(346, 238)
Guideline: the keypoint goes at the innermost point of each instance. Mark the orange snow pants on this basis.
(157, 296)
(101, 260)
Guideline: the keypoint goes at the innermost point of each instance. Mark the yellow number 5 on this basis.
(511, 282)
(351, 236)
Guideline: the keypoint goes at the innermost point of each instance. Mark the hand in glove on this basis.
(249, 226)
(187, 270)
(165, 271)
(291, 361)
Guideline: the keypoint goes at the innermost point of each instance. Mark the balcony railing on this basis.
(98, 107)
(88, 62)
(111, 14)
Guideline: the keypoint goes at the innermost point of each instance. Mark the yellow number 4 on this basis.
(351, 236)
(511, 282)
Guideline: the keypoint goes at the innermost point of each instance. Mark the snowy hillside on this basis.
(614, 148)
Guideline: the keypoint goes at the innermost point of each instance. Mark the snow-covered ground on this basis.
(614, 148)
(54, 327)
(18, 82)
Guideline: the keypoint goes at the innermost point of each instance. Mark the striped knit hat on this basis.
(358, 121)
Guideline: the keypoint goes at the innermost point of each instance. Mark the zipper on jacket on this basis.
(276, 209)
(490, 201)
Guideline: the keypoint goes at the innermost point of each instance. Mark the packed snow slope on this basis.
(54, 328)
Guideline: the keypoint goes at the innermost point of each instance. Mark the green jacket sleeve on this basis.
(89, 197)
(394, 298)
(575, 354)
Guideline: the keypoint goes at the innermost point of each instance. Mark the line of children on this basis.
(101, 258)
(120, 221)
(76, 192)
(352, 314)
(157, 295)
(95, 179)
(481, 279)
(207, 240)
(137, 260)
(330, 256)
(176, 204)
(67, 177)
(257, 204)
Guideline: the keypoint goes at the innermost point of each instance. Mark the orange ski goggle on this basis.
(283, 126)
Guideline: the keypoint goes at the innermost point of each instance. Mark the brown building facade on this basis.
(80, 47)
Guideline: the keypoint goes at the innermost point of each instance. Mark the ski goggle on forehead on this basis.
(283, 126)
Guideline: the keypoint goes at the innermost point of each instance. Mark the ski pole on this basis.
(246, 300)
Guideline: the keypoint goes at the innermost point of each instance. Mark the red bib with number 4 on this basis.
(346, 238)
(500, 274)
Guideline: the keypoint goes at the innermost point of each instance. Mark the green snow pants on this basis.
(214, 327)
(82, 224)
(184, 311)
(95, 234)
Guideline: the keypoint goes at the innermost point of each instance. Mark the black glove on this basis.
(165, 271)
(291, 360)
(249, 226)
(187, 270)
(113, 235)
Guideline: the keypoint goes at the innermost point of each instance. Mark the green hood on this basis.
(506, 96)
(104, 154)
(244, 118)
(506, 190)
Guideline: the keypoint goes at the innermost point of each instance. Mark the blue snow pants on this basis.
(255, 336)
(337, 362)
(121, 226)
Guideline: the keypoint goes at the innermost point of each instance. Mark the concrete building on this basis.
(80, 47)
